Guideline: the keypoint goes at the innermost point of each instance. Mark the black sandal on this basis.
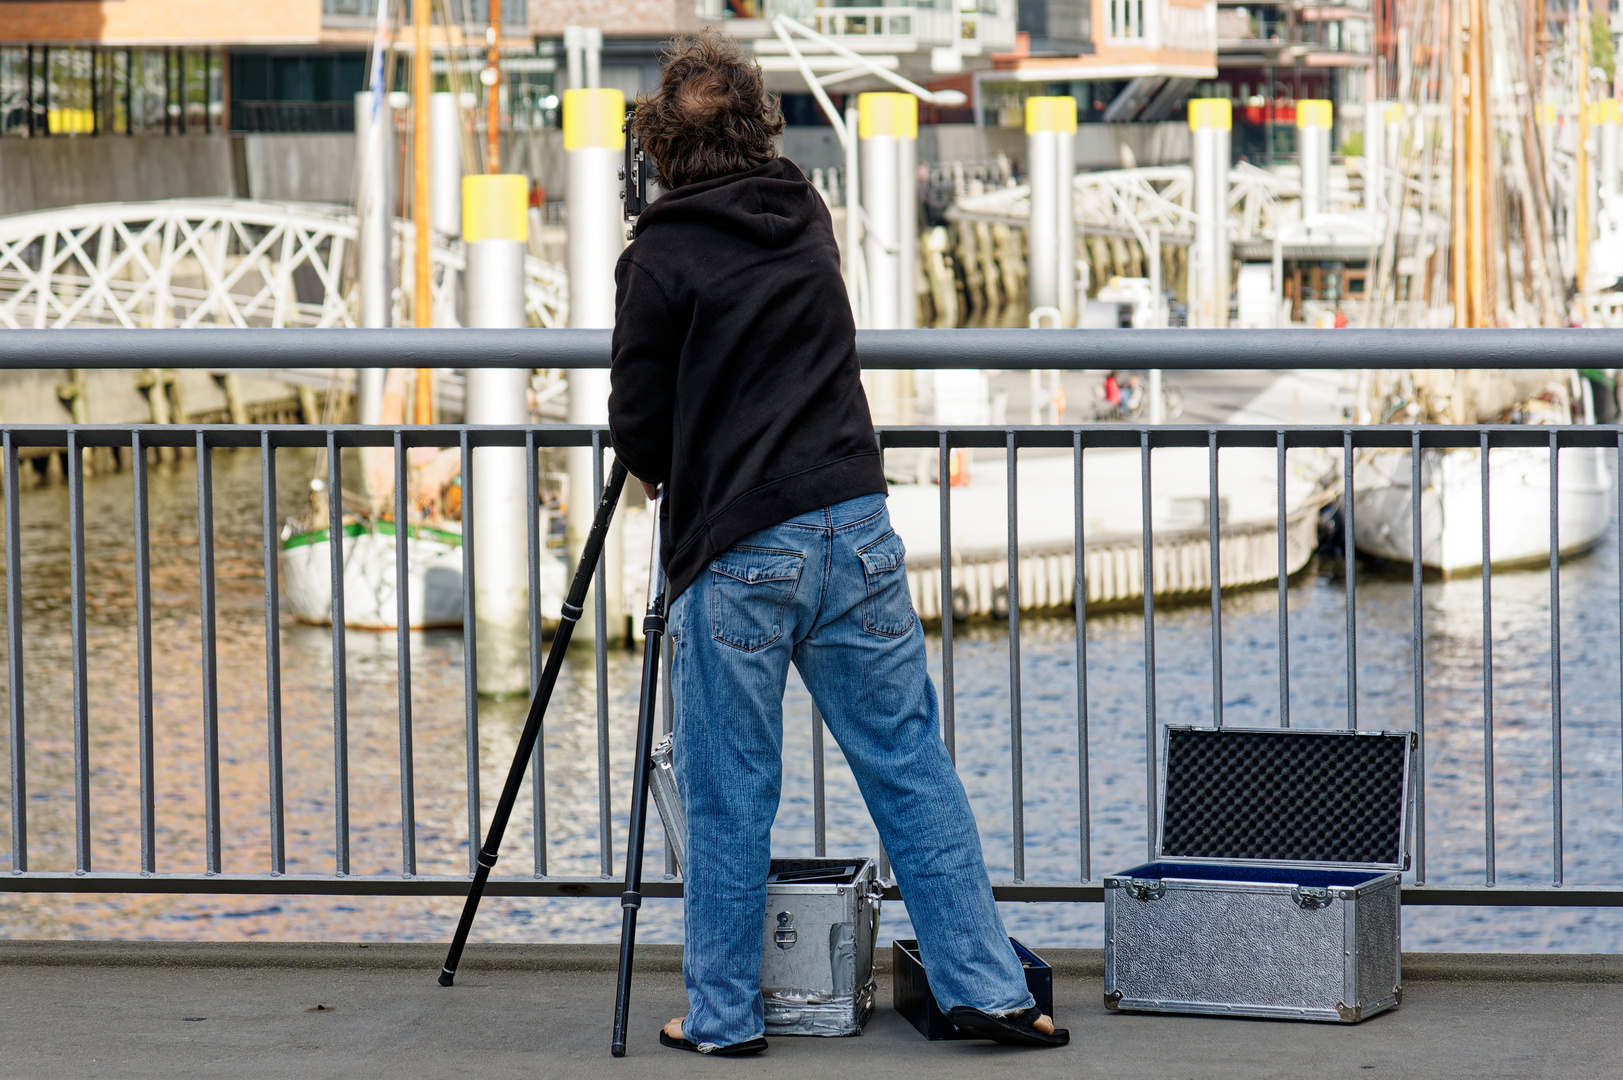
(751, 1046)
(1018, 1030)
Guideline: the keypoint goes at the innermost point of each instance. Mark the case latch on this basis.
(1309, 898)
(1145, 889)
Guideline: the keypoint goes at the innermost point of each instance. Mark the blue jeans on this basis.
(827, 591)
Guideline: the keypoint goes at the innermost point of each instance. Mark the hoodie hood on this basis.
(770, 205)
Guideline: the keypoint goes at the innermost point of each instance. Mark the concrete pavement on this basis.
(87, 1010)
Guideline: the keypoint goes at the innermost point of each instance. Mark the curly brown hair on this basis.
(711, 115)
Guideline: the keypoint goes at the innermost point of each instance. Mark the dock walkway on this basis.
(145, 1009)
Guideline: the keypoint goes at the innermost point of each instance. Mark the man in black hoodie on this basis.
(736, 386)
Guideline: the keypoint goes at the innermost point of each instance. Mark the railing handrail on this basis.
(1004, 350)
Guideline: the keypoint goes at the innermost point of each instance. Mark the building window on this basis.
(295, 91)
(1126, 19)
(49, 91)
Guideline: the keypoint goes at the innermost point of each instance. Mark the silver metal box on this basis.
(822, 916)
(1275, 890)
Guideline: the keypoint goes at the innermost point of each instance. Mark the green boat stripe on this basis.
(381, 528)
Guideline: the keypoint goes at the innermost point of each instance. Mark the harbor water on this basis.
(1590, 692)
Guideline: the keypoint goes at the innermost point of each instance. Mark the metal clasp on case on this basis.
(785, 935)
(1145, 889)
(1310, 899)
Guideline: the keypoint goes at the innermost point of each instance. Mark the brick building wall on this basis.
(163, 22)
(617, 18)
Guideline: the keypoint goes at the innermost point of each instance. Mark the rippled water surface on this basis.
(1593, 816)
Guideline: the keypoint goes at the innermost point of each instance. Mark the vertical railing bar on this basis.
(1418, 643)
(273, 643)
(211, 689)
(1280, 535)
(1147, 542)
(14, 663)
(949, 706)
(1617, 482)
(819, 806)
(600, 648)
(1080, 599)
(1214, 543)
(1487, 668)
(340, 674)
(402, 650)
(1016, 751)
(143, 654)
(1349, 554)
(81, 687)
(1556, 805)
(538, 759)
(470, 655)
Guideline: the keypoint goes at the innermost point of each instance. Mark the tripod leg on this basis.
(572, 611)
(653, 626)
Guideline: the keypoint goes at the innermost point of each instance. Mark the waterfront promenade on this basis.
(109, 1009)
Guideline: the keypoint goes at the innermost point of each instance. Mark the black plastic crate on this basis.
(911, 996)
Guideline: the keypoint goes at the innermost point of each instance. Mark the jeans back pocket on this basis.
(887, 609)
(749, 588)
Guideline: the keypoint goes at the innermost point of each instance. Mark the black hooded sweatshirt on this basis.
(735, 380)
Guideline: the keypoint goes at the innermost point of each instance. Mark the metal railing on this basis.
(922, 349)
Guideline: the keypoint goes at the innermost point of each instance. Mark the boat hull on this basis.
(1451, 506)
(433, 568)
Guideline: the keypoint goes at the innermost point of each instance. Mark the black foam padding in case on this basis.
(1287, 796)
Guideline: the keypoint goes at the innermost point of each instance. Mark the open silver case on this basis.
(1275, 886)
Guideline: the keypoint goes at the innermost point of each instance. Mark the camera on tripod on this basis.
(633, 174)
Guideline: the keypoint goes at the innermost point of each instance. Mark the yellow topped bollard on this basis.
(593, 118)
(1055, 114)
(1051, 234)
(1210, 123)
(1314, 120)
(887, 114)
(495, 208)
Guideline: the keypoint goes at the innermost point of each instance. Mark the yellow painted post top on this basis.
(1051, 114)
(1605, 112)
(496, 208)
(1314, 113)
(592, 118)
(1211, 113)
(1394, 112)
(896, 115)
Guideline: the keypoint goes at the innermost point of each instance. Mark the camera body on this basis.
(633, 174)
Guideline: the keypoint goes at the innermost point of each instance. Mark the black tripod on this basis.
(653, 628)
(572, 610)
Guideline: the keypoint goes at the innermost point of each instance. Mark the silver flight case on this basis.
(1275, 886)
(822, 916)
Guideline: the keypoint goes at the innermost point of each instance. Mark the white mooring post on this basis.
(1051, 241)
(1314, 123)
(374, 207)
(1210, 121)
(445, 190)
(593, 148)
(887, 138)
(495, 226)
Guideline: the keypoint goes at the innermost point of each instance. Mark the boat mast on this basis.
(422, 305)
(492, 78)
(1580, 201)
(1460, 224)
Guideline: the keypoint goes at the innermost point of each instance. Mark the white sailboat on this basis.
(1451, 479)
(433, 570)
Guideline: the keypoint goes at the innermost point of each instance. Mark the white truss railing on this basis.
(214, 262)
